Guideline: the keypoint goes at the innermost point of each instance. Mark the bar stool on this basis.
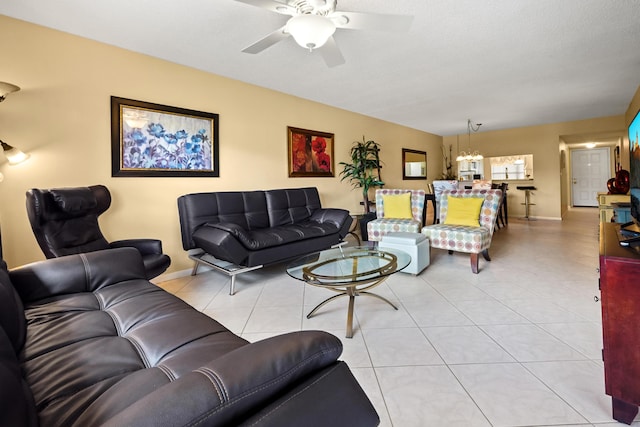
(527, 194)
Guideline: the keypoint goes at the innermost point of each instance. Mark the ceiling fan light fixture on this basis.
(311, 31)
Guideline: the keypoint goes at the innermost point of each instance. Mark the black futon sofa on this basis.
(253, 228)
(87, 340)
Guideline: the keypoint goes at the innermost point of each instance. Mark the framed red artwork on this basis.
(310, 153)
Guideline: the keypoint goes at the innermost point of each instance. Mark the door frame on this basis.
(571, 174)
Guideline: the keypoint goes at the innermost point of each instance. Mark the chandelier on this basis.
(470, 156)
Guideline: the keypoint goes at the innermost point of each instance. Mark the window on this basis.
(512, 167)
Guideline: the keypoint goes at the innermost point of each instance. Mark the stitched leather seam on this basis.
(167, 372)
(258, 421)
(271, 383)
(138, 347)
(217, 383)
(87, 272)
(114, 319)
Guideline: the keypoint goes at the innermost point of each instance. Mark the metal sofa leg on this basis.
(232, 285)
(224, 267)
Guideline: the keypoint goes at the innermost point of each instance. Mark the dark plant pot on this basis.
(364, 219)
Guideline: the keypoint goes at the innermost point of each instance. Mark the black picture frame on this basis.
(155, 140)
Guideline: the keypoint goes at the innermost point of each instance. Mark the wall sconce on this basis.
(13, 155)
(6, 89)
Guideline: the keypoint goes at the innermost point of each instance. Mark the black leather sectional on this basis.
(87, 340)
(252, 228)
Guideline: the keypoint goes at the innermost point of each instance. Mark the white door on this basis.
(590, 169)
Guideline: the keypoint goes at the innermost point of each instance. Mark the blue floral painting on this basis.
(155, 140)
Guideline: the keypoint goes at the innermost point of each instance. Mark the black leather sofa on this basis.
(86, 340)
(254, 228)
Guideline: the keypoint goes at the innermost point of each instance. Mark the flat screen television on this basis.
(630, 232)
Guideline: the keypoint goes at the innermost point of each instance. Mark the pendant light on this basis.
(470, 156)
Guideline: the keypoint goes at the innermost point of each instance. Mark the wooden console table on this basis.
(620, 299)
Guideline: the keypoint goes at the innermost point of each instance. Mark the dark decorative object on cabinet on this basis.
(620, 184)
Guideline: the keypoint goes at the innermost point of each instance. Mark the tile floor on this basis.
(519, 344)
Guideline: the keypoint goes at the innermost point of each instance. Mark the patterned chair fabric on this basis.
(462, 238)
(438, 187)
(381, 225)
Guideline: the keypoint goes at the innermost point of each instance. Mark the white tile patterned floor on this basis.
(518, 344)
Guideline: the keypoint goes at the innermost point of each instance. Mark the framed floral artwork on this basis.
(153, 140)
(310, 153)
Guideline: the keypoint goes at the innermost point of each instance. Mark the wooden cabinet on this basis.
(605, 204)
(620, 299)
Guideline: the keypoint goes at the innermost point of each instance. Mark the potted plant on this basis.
(364, 172)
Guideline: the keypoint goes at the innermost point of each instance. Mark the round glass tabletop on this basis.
(348, 265)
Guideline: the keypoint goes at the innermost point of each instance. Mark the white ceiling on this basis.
(504, 63)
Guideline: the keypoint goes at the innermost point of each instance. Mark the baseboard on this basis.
(534, 218)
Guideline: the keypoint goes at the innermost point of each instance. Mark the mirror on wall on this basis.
(518, 167)
(414, 164)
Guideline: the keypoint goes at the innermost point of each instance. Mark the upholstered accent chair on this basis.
(463, 229)
(396, 210)
(438, 187)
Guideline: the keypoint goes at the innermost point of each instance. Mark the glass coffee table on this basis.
(350, 271)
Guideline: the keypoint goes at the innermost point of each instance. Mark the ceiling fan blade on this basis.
(267, 41)
(371, 21)
(272, 5)
(331, 53)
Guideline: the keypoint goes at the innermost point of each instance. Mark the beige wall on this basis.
(544, 143)
(61, 117)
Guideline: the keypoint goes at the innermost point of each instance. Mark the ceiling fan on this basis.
(313, 23)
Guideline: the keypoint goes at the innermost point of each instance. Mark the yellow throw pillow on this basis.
(463, 211)
(397, 206)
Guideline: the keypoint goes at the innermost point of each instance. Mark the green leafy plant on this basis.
(364, 170)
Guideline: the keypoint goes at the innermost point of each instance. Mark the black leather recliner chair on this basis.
(65, 222)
